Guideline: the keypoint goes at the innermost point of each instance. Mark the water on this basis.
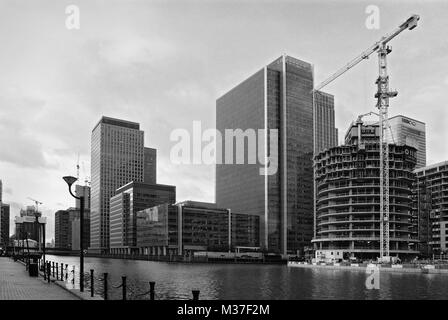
(237, 281)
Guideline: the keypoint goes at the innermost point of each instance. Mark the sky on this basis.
(164, 64)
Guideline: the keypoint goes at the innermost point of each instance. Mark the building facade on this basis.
(325, 131)
(82, 191)
(348, 196)
(410, 132)
(4, 224)
(278, 97)
(117, 153)
(128, 200)
(62, 229)
(191, 226)
(430, 209)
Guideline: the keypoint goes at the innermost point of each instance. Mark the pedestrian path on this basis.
(16, 284)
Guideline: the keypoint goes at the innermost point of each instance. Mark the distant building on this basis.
(130, 199)
(75, 233)
(278, 96)
(150, 166)
(430, 209)
(117, 157)
(83, 191)
(26, 226)
(410, 132)
(4, 224)
(325, 132)
(348, 196)
(61, 229)
(190, 226)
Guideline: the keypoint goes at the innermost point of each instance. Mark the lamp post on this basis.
(70, 180)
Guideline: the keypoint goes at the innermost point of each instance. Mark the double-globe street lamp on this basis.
(70, 181)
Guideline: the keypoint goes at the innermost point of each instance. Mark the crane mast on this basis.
(383, 94)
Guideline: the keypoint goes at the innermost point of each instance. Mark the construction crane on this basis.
(383, 94)
(36, 202)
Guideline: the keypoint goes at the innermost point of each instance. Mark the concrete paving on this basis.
(16, 284)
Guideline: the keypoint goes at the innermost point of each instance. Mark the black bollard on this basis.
(123, 286)
(48, 271)
(105, 285)
(66, 272)
(73, 279)
(151, 290)
(53, 267)
(91, 283)
(195, 294)
(57, 271)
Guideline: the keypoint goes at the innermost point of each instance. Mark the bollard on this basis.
(66, 272)
(91, 283)
(195, 294)
(105, 285)
(57, 271)
(48, 271)
(73, 279)
(123, 286)
(53, 267)
(45, 271)
(151, 290)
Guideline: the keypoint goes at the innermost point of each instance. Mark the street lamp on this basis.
(71, 180)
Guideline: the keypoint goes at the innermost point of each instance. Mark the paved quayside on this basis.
(16, 284)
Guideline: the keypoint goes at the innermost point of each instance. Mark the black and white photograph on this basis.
(221, 155)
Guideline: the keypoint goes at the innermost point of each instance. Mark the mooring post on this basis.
(151, 290)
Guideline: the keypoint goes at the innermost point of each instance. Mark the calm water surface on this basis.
(236, 281)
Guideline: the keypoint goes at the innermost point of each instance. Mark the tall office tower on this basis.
(410, 132)
(130, 199)
(430, 208)
(150, 166)
(325, 131)
(276, 97)
(116, 159)
(85, 192)
(4, 224)
(348, 197)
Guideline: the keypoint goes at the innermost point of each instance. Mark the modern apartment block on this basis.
(117, 157)
(277, 97)
(124, 205)
(191, 226)
(348, 196)
(410, 132)
(430, 208)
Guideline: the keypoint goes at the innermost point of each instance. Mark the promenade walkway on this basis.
(16, 284)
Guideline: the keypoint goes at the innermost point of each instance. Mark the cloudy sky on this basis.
(164, 64)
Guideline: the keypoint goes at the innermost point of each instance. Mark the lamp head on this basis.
(70, 180)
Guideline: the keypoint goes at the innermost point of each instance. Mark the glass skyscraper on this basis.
(117, 157)
(410, 132)
(279, 96)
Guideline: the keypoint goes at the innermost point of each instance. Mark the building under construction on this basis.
(348, 197)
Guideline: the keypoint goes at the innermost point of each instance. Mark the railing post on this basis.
(73, 279)
(195, 294)
(53, 267)
(66, 272)
(57, 271)
(105, 285)
(123, 286)
(91, 283)
(45, 271)
(151, 290)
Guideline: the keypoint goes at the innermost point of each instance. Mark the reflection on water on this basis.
(231, 281)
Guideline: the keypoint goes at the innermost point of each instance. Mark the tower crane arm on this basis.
(410, 24)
